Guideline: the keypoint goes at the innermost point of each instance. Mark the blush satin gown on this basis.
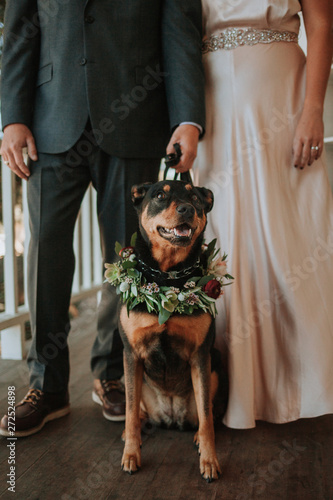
(275, 322)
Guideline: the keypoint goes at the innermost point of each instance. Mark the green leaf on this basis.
(163, 316)
(229, 277)
(133, 273)
(150, 298)
(134, 289)
(211, 247)
(134, 303)
(204, 280)
(209, 299)
(133, 239)
(128, 264)
(149, 307)
(117, 247)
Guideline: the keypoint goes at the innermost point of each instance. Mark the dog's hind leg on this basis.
(133, 369)
(205, 437)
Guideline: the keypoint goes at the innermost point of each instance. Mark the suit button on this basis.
(83, 61)
(89, 19)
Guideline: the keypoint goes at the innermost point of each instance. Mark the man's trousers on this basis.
(56, 188)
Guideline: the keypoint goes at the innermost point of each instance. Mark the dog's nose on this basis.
(186, 210)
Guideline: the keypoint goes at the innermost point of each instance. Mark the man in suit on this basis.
(94, 89)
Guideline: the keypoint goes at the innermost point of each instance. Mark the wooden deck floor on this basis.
(78, 457)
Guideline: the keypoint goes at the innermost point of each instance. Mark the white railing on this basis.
(87, 252)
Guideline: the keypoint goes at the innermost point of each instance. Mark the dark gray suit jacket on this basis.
(133, 66)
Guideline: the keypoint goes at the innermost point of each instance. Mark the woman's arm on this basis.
(318, 19)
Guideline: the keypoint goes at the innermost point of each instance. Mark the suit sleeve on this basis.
(182, 61)
(20, 61)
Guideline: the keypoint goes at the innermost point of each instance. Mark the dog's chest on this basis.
(181, 333)
(167, 349)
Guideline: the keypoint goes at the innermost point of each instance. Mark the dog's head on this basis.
(172, 216)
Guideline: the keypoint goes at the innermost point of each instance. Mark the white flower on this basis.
(168, 305)
(218, 267)
(124, 286)
(189, 284)
(132, 257)
(181, 297)
(170, 295)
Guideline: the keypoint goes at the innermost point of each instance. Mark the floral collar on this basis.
(199, 292)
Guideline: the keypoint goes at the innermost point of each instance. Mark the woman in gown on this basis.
(264, 117)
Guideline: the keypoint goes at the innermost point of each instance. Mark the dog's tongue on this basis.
(182, 231)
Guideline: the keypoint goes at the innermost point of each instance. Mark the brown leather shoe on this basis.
(35, 409)
(111, 395)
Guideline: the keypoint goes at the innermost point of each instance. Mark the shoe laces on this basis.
(33, 396)
(109, 385)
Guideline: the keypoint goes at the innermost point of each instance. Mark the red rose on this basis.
(126, 252)
(212, 289)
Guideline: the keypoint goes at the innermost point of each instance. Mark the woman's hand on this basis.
(308, 136)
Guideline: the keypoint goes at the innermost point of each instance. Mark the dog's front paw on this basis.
(209, 467)
(131, 461)
(196, 441)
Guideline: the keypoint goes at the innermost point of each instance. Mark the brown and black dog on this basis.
(171, 370)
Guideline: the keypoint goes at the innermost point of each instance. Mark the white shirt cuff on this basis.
(199, 127)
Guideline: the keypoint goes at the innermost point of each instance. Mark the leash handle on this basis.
(172, 160)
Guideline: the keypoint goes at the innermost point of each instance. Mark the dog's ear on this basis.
(138, 193)
(207, 197)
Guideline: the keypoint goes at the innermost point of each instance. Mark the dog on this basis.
(171, 370)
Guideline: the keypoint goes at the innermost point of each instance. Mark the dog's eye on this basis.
(160, 196)
(194, 197)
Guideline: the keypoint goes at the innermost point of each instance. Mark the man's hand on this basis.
(187, 136)
(16, 137)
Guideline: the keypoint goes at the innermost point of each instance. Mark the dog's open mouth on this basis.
(181, 233)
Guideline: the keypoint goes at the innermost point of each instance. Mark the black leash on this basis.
(172, 160)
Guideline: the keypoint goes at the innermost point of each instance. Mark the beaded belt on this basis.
(230, 38)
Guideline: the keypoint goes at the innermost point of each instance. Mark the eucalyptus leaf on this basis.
(133, 273)
(117, 247)
(163, 316)
(204, 280)
(133, 239)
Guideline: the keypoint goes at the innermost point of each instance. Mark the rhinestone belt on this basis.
(230, 38)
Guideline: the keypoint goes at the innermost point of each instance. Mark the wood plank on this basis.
(79, 456)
